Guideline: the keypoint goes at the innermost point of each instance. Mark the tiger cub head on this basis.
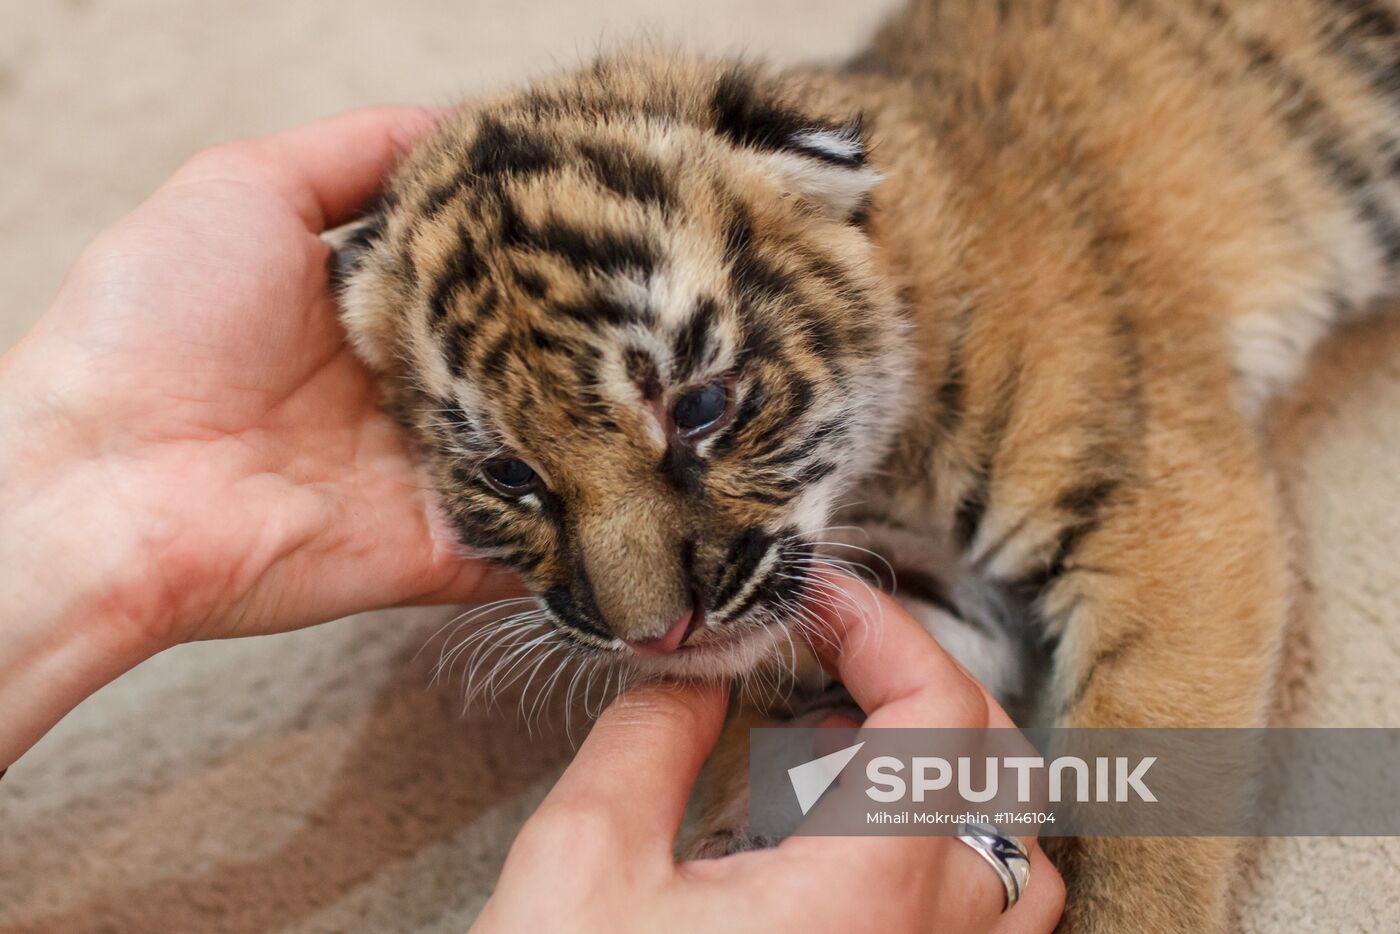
(634, 322)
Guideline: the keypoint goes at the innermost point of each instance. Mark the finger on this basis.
(974, 892)
(472, 581)
(898, 673)
(327, 170)
(640, 761)
(1041, 903)
(901, 677)
(937, 887)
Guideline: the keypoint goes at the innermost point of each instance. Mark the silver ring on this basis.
(1004, 854)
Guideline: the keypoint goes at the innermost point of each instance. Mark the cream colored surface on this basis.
(314, 781)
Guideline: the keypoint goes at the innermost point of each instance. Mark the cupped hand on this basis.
(188, 418)
(597, 855)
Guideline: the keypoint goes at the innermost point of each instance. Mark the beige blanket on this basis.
(315, 782)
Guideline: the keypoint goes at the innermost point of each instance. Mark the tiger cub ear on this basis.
(827, 165)
(820, 159)
(365, 308)
(350, 244)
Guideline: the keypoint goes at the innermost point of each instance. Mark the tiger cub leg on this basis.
(1167, 609)
(718, 819)
(719, 816)
(717, 822)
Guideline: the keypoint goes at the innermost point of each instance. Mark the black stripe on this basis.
(776, 584)
(604, 251)
(829, 271)
(748, 116)
(682, 469)
(642, 372)
(463, 270)
(1367, 19)
(457, 347)
(496, 153)
(749, 410)
(1367, 37)
(762, 590)
(479, 527)
(1086, 499)
(692, 341)
(753, 276)
(815, 472)
(1111, 653)
(489, 304)
(630, 175)
(567, 610)
(800, 392)
(531, 283)
(1028, 589)
(493, 363)
(822, 338)
(1308, 118)
(548, 342)
(453, 411)
(794, 555)
(601, 310)
(778, 451)
(486, 518)
(925, 587)
(768, 499)
(863, 214)
(523, 561)
(757, 342)
(498, 150)
(973, 507)
(971, 511)
(952, 390)
(746, 550)
(687, 558)
(346, 259)
(1305, 114)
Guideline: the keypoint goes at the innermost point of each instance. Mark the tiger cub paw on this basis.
(726, 842)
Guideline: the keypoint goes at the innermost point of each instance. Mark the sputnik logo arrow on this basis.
(810, 780)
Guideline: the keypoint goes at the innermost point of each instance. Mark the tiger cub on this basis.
(1009, 292)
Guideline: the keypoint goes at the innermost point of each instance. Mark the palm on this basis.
(205, 317)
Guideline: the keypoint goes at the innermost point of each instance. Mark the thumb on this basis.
(326, 170)
(641, 759)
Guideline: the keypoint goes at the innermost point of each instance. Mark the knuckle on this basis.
(658, 706)
(579, 827)
(1052, 889)
(219, 155)
(967, 703)
(234, 158)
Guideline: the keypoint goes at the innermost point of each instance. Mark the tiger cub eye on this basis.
(701, 411)
(510, 476)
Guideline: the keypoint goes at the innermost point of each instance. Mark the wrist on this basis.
(63, 567)
(49, 665)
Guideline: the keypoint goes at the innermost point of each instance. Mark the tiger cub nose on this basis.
(673, 639)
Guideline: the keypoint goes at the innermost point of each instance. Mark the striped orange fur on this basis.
(1009, 291)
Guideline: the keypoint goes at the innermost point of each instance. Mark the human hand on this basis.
(192, 378)
(597, 855)
(188, 449)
